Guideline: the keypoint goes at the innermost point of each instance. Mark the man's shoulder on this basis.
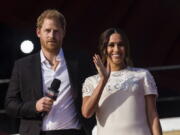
(28, 58)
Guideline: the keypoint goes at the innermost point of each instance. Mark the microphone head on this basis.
(52, 91)
(55, 85)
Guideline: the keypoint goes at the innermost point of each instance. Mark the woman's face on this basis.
(116, 50)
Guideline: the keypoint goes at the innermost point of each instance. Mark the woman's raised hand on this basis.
(103, 71)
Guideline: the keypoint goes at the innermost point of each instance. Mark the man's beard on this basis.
(53, 47)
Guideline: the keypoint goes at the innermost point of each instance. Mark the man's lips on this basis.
(52, 41)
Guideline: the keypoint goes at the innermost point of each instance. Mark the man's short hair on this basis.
(51, 14)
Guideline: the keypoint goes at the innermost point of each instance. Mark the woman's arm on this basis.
(90, 102)
(152, 115)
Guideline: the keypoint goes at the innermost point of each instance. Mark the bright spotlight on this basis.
(27, 46)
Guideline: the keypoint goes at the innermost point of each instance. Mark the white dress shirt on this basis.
(63, 114)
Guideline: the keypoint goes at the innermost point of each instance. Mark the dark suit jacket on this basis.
(25, 89)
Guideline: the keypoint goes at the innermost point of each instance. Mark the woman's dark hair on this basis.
(103, 42)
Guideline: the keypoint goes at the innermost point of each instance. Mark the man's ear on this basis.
(64, 33)
(38, 32)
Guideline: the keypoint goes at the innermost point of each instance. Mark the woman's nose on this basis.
(116, 47)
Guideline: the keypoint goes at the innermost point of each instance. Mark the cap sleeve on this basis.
(88, 87)
(149, 84)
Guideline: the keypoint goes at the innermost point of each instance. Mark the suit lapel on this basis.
(72, 66)
(35, 67)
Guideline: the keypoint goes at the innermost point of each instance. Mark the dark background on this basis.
(152, 26)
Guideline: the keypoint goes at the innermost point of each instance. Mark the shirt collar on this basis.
(59, 57)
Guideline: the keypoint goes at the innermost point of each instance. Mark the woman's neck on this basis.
(118, 67)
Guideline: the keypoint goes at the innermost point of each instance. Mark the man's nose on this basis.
(52, 34)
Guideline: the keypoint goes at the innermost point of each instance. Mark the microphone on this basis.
(52, 91)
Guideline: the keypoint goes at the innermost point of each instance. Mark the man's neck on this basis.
(51, 56)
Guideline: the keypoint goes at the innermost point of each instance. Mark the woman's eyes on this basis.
(113, 44)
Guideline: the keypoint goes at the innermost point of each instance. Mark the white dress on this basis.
(121, 109)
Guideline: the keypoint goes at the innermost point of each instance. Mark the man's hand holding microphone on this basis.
(45, 103)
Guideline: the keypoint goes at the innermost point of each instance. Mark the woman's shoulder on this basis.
(92, 78)
(139, 70)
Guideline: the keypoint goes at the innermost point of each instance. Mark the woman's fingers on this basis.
(97, 61)
(102, 70)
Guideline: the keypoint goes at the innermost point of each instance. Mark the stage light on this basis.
(27, 46)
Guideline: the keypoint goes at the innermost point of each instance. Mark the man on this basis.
(33, 75)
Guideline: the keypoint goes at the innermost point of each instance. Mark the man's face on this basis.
(51, 35)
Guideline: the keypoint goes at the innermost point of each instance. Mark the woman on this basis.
(123, 97)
